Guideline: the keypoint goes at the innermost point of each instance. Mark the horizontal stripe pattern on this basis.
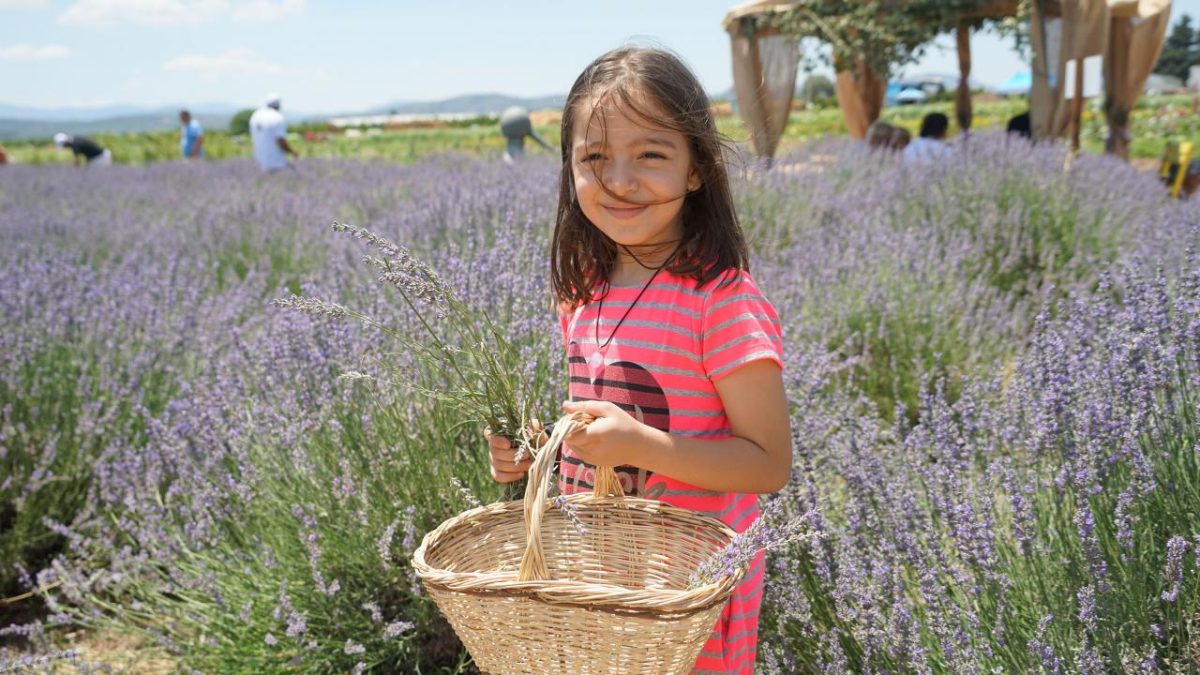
(661, 365)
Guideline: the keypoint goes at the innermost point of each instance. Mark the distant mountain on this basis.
(77, 114)
(27, 122)
(51, 114)
(470, 103)
(45, 128)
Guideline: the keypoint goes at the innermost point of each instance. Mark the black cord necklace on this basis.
(600, 307)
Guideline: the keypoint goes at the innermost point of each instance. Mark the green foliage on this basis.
(883, 33)
(817, 87)
(1181, 50)
(239, 125)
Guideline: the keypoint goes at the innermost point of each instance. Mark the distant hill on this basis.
(470, 103)
(25, 122)
(74, 114)
(42, 128)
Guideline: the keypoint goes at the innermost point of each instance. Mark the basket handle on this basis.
(533, 563)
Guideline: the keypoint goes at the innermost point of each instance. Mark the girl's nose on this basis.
(620, 179)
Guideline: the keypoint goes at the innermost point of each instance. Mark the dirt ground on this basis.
(115, 653)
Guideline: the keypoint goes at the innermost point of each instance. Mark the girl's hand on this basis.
(502, 453)
(615, 438)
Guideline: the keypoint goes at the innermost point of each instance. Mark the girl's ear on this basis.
(693, 182)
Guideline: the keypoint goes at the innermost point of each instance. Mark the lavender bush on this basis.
(1046, 520)
(992, 369)
(237, 510)
(908, 270)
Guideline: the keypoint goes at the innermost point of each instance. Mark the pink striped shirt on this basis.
(661, 366)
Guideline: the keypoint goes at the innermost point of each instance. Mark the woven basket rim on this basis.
(610, 598)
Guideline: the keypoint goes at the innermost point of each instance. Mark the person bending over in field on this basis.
(84, 149)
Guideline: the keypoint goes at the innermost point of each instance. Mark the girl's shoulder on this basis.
(732, 287)
(732, 281)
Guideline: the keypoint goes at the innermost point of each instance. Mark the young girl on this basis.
(670, 344)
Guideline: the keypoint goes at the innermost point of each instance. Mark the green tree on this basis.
(240, 123)
(816, 88)
(885, 34)
(1180, 51)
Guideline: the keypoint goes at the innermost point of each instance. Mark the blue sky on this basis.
(351, 55)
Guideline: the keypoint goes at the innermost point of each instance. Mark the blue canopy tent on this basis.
(1019, 83)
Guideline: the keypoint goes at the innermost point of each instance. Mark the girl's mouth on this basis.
(624, 212)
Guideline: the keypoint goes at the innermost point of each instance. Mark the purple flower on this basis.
(397, 628)
(1173, 573)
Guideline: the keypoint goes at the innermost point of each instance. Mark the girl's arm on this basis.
(756, 459)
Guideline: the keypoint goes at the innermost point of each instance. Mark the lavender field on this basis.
(993, 368)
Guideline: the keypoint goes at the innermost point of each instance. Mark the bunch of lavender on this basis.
(463, 341)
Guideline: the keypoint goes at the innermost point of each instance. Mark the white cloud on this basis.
(145, 12)
(176, 12)
(266, 10)
(237, 61)
(24, 4)
(24, 52)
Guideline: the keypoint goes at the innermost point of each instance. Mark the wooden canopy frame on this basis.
(1128, 34)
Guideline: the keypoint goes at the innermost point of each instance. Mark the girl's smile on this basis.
(625, 212)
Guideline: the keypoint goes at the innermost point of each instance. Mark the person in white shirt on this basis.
(268, 135)
(930, 146)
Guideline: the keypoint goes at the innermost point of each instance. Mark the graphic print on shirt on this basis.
(635, 390)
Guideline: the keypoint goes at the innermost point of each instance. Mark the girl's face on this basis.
(646, 169)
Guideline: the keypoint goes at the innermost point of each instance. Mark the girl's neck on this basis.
(636, 266)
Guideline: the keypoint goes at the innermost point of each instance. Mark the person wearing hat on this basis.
(268, 136)
(516, 126)
(84, 149)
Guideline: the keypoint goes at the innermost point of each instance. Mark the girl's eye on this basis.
(653, 155)
(592, 157)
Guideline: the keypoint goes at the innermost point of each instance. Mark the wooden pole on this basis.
(962, 97)
(1077, 106)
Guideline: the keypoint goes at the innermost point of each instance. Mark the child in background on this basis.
(671, 346)
(880, 135)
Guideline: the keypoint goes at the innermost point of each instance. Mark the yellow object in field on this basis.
(1174, 166)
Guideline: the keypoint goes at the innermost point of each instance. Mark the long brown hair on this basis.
(581, 256)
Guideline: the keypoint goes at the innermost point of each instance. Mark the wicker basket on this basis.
(527, 592)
